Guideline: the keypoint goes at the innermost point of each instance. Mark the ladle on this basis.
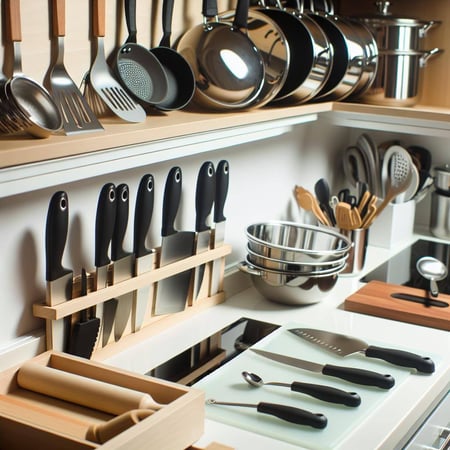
(321, 392)
(433, 270)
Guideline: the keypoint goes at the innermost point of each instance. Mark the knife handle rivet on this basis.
(112, 194)
(63, 203)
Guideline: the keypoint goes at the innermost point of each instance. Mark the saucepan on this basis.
(228, 68)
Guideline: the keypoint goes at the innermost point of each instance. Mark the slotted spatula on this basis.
(101, 80)
(76, 114)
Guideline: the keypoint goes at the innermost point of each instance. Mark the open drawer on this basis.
(30, 419)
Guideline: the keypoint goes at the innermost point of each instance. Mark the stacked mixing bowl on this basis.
(294, 263)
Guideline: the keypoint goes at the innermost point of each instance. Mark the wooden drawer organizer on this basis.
(31, 420)
(153, 324)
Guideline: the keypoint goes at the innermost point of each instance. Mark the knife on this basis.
(85, 331)
(343, 345)
(123, 262)
(218, 235)
(172, 292)
(59, 279)
(204, 199)
(419, 299)
(144, 257)
(354, 375)
(104, 227)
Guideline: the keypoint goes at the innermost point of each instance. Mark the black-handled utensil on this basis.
(354, 375)
(322, 191)
(284, 412)
(319, 391)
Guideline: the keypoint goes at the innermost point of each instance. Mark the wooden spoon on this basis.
(308, 202)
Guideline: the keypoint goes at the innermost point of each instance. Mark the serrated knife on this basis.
(123, 262)
(59, 279)
(144, 257)
(204, 199)
(352, 374)
(343, 345)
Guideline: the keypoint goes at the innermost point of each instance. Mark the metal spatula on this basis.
(100, 80)
(76, 114)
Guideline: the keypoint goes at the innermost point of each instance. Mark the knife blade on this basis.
(343, 345)
(172, 292)
(204, 199)
(104, 227)
(59, 280)
(144, 257)
(218, 235)
(123, 262)
(351, 374)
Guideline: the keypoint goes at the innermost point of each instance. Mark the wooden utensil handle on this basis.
(99, 18)
(12, 21)
(59, 17)
(82, 390)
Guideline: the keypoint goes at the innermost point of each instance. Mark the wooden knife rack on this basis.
(53, 314)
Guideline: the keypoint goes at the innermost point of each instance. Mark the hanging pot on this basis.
(228, 68)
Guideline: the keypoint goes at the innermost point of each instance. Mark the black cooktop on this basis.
(401, 268)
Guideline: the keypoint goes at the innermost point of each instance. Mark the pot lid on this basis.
(384, 17)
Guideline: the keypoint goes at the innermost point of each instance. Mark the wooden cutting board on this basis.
(375, 298)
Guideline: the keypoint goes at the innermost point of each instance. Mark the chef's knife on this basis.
(204, 199)
(172, 292)
(354, 375)
(218, 235)
(144, 257)
(343, 345)
(85, 331)
(419, 299)
(123, 267)
(59, 279)
(104, 227)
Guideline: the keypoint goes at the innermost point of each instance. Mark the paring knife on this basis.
(204, 199)
(123, 262)
(354, 375)
(85, 331)
(343, 345)
(144, 257)
(59, 279)
(218, 234)
(172, 292)
(104, 227)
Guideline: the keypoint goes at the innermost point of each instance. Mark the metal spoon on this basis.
(432, 269)
(321, 392)
(284, 412)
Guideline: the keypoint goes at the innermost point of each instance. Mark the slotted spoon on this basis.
(101, 80)
(76, 114)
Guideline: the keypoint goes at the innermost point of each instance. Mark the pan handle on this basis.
(241, 16)
(167, 13)
(130, 16)
(209, 9)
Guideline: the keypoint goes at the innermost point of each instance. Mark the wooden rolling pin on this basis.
(83, 391)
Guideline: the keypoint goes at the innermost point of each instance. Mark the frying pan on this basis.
(139, 70)
(311, 52)
(228, 68)
(348, 53)
(181, 81)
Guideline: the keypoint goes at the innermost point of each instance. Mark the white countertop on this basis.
(386, 428)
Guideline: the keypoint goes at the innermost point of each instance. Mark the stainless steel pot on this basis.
(397, 80)
(396, 33)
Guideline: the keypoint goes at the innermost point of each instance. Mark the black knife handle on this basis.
(292, 414)
(359, 376)
(104, 224)
(120, 223)
(171, 202)
(204, 195)
(401, 358)
(327, 393)
(56, 235)
(143, 214)
(222, 179)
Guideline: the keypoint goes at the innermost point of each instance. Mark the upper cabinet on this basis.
(430, 116)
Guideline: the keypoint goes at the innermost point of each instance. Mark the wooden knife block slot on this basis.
(152, 324)
(30, 420)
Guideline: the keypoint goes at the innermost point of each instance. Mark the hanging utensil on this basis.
(283, 412)
(27, 102)
(102, 91)
(77, 116)
(138, 69)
